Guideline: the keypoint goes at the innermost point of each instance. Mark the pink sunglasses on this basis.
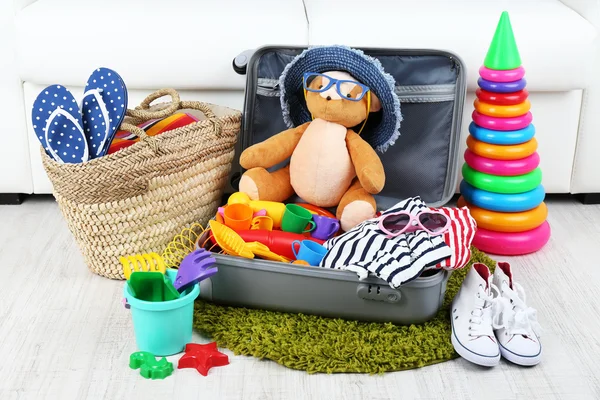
(432, 222)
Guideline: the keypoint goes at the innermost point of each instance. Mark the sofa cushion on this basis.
(555, 42)
(177, 43)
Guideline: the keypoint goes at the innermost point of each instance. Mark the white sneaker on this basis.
(471, 315)
(515, 324)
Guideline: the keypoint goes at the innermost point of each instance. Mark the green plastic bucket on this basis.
(163, 328)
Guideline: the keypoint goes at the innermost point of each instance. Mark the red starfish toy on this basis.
(202, 357)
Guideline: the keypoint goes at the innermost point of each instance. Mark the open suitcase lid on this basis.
(431, 87)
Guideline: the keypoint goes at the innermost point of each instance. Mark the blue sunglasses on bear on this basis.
(343, 87)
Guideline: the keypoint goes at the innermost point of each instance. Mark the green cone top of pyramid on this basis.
(503, 53)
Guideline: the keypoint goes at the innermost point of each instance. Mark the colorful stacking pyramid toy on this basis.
(501, 175)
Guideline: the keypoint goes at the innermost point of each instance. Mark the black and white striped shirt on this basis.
(366, 249)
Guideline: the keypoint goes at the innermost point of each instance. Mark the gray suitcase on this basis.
(423, 162)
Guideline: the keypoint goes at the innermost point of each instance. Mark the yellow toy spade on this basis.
(234, 245)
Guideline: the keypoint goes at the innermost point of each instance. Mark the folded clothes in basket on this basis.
(153, 127)
(366, 249)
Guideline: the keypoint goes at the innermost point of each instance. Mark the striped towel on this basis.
(459, 237)
(365, 249)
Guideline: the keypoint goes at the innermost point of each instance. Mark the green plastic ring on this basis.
(502, 184)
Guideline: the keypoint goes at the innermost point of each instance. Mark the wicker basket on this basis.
(136, 200)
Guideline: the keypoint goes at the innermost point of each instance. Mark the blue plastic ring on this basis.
(502, 137)
(502, 202)
(502, 87)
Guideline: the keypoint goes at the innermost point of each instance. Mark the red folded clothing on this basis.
(154, 127)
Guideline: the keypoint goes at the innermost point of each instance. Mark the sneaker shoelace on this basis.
(512, 313)
(480, 323)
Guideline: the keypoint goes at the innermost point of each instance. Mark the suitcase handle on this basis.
(240, 62)
(378, 293)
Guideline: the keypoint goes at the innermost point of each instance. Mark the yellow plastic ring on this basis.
(494, 110)
(506, 222)
(502, 152)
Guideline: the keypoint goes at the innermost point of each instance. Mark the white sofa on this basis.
(189, 45)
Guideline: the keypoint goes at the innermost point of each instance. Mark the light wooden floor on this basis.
(64, 333)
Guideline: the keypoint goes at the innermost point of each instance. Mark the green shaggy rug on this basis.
(328, 345)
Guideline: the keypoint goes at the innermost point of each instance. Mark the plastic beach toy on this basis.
(150, 262)
(296, 219)
(238, 216)
(152, 286)
(274, 209)
(163, 328)
(279, 242)
(326, 227)
(150, 367)
(195, 267)
(263, 222)
(202, 357)
(309, 251)
(234, 245)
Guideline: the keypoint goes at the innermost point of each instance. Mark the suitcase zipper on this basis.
(407, 94)
(426, 93)
(267, 87)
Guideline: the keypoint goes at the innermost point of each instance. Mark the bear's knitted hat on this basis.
(367, 70)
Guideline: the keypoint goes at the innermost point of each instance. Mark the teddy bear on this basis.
(330, 164)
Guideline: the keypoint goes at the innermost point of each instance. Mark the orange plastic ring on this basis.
(502, 152)
(493, 110)
(506, 222)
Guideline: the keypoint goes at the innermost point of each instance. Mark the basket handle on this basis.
(139, 132)
(143, 113)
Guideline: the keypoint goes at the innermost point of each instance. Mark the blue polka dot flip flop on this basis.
(58, 126)
(103, 108)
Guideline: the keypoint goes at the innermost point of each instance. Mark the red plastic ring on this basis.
(502, 99)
